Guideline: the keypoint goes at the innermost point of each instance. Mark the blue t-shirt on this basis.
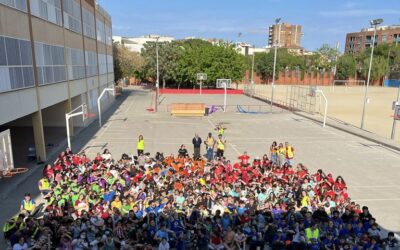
(241, 210)
(109, 197)
(176, 226)
(162, 234)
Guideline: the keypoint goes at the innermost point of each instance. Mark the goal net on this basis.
(347, 83)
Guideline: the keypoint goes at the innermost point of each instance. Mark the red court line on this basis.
(197, 91)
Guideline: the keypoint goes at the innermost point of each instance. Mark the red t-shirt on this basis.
(244, 159)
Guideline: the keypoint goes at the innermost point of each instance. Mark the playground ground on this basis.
(370, 170)
(346, 105)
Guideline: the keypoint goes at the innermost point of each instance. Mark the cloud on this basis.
(359, 12)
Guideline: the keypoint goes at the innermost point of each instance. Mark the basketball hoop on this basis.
(89, 115)
(396, 117)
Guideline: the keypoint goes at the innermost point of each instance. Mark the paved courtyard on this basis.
(370, 170)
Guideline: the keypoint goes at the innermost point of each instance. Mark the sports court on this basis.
(370, 170)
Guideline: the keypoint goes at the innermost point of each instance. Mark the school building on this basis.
(55, 55)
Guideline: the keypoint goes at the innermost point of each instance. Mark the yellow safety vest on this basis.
(221, 145)
(281, 151)
(140, 145)
(221, 131)
(311, 234)
(210, 141)
(28, 206)
(289, 152)
(44, 184)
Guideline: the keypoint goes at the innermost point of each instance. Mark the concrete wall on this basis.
(16, 104)
(52, 94)
(54, 116)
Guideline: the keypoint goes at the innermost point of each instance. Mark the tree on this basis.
(346, 67)
(168, 56)
(379, 67)
(216, 60)
(326, 57)
(285, 60)
(126, 63)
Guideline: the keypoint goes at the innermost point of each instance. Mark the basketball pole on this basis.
(393, 135)
(225, 97)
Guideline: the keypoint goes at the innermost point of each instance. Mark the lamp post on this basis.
(373, 23)
(158, 76)
(276, 48)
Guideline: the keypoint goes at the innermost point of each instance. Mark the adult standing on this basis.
(274, 152)
(289, 153)
(196, 146)
(220, 146)
(140, 145)
(221, 130)
(210, 143)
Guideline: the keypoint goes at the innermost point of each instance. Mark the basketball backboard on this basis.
(397, 112)
(221, 83)
(201, 76)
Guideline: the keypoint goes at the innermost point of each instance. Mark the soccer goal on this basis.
(346, 83)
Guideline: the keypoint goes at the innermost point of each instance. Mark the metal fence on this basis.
(291, 97)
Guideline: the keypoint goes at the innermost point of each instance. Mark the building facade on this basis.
(55, 55)
(357, 42)
(248, 50)
(136, 44)
(285, 35)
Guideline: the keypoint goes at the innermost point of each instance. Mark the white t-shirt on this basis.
(19, 247)
(163, 246)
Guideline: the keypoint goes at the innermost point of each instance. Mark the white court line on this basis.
(378, 199)
(234, 148)
(211, 123)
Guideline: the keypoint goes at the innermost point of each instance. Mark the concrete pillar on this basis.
(38, 134)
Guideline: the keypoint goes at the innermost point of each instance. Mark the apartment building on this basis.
(55, 55)
(285, 35)
(136, 44)
(356, 42)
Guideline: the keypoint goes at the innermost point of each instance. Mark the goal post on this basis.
(346, 83)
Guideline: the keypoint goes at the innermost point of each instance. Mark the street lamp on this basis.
(252, 66)
(276, 47)
(158, 76)
(373, 23)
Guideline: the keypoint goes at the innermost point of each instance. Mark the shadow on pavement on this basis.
(12, 190)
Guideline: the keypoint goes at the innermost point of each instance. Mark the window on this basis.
(16, 70)
(384, 38)
(110, 64)
(75, 64)
(102, 64)
(49, 10)
(91, 63)
(88, 24)
(50, 63)
(108, 35)
(100, 30)
(72, 16)
(17, 4)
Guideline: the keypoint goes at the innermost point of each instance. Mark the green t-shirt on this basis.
(96, 188)
(74, 198)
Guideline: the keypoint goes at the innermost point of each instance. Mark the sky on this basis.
(323, 21)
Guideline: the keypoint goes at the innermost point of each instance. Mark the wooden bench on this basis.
(187, 109)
